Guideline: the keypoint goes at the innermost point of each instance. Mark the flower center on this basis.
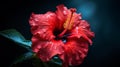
(68, 23)
(63, 38)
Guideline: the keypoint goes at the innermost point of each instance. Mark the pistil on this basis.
(67, 23)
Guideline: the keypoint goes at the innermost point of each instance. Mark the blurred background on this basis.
(103, 16)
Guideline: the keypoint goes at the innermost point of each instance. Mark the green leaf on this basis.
(36, 62)
(22, 58)
(15, 36)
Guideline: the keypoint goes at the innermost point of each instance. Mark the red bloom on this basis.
(62, 33)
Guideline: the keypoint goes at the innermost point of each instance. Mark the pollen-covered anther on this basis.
(69, 22)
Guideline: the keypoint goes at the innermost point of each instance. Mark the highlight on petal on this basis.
(43, 25)
(45, 50)
(75, 50)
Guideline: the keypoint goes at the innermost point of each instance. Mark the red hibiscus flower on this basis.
(62, 33)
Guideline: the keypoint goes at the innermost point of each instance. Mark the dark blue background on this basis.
(103, 16)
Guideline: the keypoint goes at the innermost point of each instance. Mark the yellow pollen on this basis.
(69, 22)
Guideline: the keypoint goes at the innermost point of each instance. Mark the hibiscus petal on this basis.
(44, 49)
(86, 29)
(75, 50)
(82, 29)
(61, 13)
(43, 25)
